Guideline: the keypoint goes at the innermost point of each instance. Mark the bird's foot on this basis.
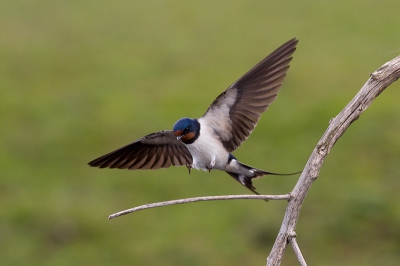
(189, 167)
(209, 167)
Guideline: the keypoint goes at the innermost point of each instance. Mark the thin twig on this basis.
(206, 198)
(296, 248)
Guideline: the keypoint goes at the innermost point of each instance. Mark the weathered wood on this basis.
(293, 242)
(197, 199)
(376, 84)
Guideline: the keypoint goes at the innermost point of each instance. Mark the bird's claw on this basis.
(189, 167)
(208, 168)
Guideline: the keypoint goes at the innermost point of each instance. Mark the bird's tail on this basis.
(247, 180)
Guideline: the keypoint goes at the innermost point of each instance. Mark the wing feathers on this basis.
(238, 108)
(154, 151)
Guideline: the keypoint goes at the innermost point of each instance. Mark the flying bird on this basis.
(207, 142)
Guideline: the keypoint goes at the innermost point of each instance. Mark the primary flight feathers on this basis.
(154, 151)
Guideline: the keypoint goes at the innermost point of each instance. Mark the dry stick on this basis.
(206, 198)
(295, 246)
(377, 83)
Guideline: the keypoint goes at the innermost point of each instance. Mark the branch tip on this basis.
(196, 199)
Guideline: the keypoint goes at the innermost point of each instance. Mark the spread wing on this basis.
(234, 113)
(154, 151)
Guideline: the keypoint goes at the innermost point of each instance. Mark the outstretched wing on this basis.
(234, 113)
(154, 151)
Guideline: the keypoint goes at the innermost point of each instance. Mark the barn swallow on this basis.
(206, 143)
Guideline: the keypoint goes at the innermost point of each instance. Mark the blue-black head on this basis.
(187, 130)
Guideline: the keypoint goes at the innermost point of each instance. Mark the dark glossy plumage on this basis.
(187, 130)
(154, 151)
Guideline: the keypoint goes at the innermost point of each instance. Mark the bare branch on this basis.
(376, 84)
(296, 248)
(206, 198)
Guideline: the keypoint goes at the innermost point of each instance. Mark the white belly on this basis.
(207, 151)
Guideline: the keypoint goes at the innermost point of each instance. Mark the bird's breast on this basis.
(207, 151)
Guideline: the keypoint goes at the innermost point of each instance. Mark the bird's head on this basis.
(187, 130)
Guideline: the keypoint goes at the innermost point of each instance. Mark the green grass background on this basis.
(81, 78)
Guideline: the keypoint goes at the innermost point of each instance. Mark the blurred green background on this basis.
(81, 78)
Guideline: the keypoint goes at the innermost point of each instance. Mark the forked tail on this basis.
(246, 180)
